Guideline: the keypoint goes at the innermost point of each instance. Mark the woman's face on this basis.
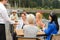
(23, 16)
(50, 18)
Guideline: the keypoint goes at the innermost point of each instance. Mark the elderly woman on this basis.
(30, 30)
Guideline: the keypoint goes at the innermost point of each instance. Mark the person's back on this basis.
(30, 31)
(55, 31)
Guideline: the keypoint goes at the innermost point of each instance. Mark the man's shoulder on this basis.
(2, 7)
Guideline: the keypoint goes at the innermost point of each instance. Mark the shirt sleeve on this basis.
(5, 16)
(49, 29)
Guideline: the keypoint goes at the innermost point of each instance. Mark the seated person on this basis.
(22, 21)
(30, 30)
(14, 15)
(53, 26)
(39, 21)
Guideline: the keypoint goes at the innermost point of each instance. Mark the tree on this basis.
(35, 3)
(55, 4)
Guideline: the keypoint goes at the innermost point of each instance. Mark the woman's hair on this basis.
(23, 13)
(54, 19)
(31, 19)
(1, 0)
(39, 15)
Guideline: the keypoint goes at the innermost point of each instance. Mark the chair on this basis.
(55, 37)
(26, 38)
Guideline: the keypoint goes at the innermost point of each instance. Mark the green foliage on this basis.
(46, 4)
(55, 4)
(33, 4)
(46, 15)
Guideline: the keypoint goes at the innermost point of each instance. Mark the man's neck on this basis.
(2, 2)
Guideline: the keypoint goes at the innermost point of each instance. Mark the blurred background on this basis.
(39, 4)
(31, 6)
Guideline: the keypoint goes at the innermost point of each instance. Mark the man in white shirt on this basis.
(5, 20)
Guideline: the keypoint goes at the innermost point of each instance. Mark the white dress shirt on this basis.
(21, 24)
(4, 15)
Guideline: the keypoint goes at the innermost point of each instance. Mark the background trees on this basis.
(35, 3)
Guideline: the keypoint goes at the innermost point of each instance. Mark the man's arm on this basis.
(6, 17)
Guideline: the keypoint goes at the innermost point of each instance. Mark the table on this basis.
(20, 33)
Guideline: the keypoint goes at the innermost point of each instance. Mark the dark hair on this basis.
(23, 13)
(54, 19)
(1, 0)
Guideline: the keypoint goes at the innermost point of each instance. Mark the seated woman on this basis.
(30, 30)
(14, 15)
(39, 21)
(22, 21)
(53, 26)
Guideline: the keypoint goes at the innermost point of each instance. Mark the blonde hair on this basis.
(31, 19)
(39, 15)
